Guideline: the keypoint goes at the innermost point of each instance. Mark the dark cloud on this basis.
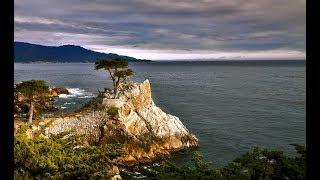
(202, 25)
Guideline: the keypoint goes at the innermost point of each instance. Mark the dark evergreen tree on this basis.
(117, 69)
(34, 91)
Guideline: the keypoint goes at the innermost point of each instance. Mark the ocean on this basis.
(230, 106)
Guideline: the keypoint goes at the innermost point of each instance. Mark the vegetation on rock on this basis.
(94, 104)
(257, 164)
(113, 112)
(61, 156)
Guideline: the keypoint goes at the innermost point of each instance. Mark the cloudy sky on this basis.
(168, 29)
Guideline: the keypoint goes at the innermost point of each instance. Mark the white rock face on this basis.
(112, 102)
(139, 114)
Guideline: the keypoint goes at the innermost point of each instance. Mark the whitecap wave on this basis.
(87, 96)
(67, 103)
(77, 93)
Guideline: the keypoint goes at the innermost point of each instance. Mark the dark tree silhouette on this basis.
(117, 69)
(34, 91)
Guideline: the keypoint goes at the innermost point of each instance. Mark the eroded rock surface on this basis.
(88, 124)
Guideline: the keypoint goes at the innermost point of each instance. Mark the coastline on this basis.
(177, 61)
(48, 62)
(172, 98)
(128, 171)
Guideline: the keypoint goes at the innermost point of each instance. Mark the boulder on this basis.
(60, 90)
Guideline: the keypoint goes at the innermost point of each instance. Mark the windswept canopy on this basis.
(34, 90)
(32, 87)
(123, 73)
(118, 70)
(110, 63)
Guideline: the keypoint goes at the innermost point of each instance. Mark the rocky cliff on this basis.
(145, 131)
(149, 131)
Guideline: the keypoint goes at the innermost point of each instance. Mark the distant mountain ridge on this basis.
(27, 52)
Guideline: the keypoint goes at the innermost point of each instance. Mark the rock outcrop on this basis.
(56, 91)
(145, 131)
(150, 131)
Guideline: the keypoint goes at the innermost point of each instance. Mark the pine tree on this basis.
(117, 69)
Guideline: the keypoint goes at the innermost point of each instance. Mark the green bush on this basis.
(113, 112)
(256, 164)
(93, 104)
(61, 157)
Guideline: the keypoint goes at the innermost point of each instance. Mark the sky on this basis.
(168, 29)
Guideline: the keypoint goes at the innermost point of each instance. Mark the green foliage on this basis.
(199, 170)
(32, 87)
(199, 162)
(61, 157)
(123, 73)
(273, 164)
(35, 92)
(117, 69)
(113, 112)
(110, 63)
(256, 164)
(92, 104)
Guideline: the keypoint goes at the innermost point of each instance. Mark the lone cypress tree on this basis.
(117, 69)
(33, 90)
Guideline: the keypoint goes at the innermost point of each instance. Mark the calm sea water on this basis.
(230, 107)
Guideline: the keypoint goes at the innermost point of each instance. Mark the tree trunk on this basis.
(31, 111)
(115, 91)
(113, 82)
(116, 88)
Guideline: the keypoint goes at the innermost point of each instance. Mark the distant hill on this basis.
(26, 52)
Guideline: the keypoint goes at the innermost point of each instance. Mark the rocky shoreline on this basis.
(144, 130)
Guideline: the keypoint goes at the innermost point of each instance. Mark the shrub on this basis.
(113, 112)
(61, 157)
(92, 104)
(256, 164)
